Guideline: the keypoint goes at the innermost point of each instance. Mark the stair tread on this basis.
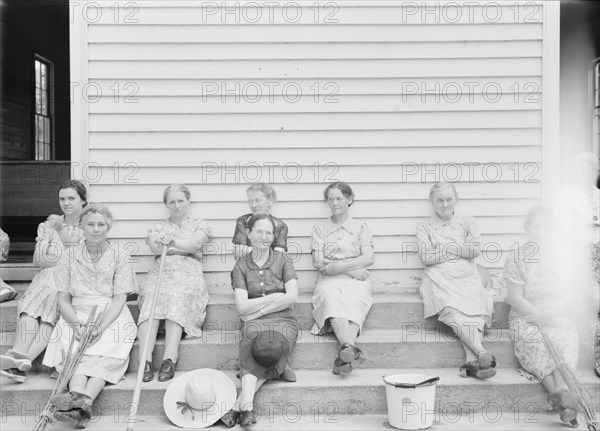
(318, 378)
(476, 421)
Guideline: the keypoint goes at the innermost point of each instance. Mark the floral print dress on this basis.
(183, 295)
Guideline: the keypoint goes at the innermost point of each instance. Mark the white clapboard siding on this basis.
(308, 139)
(307, 13)
(389, 96)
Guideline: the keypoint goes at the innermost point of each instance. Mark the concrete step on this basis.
(293, 421)
(361, 392)
(382, 349)
(390, 311)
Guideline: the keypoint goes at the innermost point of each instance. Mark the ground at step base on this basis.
(488, 421)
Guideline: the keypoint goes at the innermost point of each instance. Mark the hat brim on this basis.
(248, 362)
(225, 393)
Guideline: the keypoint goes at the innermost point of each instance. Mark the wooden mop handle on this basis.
(144, 349)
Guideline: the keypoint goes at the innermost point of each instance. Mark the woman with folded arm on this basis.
(182, 297)
(452, 288)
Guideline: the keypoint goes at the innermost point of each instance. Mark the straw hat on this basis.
(265, 354)
(199, 398)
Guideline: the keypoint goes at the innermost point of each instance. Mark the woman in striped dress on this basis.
(38, 308)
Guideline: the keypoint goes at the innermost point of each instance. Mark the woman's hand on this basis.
(360, 274)
(165, 238)
(77, 331)
(55, 222)
(330, 269)
(96, 333)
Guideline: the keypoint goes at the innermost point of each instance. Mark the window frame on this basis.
(49, 111)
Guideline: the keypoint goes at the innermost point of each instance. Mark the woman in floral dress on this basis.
(182, 296)
(452, 288)
(539, 298)
(38, 308)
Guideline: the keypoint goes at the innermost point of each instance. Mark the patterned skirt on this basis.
(41, 298)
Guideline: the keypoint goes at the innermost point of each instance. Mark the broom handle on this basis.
(144, 349)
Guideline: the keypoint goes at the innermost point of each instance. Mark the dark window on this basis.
(43, 120)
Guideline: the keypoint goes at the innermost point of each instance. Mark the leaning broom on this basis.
(70, 364)
(586, 404)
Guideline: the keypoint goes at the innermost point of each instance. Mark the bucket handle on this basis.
(428, 382)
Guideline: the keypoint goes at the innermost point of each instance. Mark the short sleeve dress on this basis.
(40, 298)
(279, 236)
(541, 287)
(183, 295)
(455, 283)
(340, 295)
(266, 280)
(95, 284)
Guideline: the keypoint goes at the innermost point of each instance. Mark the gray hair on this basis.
(173, 188)
(265, 189)
(443, 185)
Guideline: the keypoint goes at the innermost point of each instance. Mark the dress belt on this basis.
(180, 253)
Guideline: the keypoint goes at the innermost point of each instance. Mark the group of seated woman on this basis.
(95, 271)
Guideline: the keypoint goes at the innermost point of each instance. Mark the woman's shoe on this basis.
(148, 373)
(486, 360)
(247, 419)
(350, 353)
(473, 369)
(340, 367)
(230, 418)
(15, 374)
(80, 416)
(71, 400)
(14, 360)
(167, 370)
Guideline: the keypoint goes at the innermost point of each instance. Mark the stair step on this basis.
(390, 311)
(291, 421)
(382, 349)
(361, 392)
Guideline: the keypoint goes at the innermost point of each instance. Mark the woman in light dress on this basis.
(95, 273)
(342, 249)
(38, 308)
(452, 288)
(540, 302)
(182, 296)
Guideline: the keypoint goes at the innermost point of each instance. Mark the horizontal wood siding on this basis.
(387, 96)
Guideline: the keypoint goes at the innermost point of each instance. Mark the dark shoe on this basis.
(230, 418)
(349, 353)
(148, 373)
(14, 374)
(71, 400)
(486, 360)
(14, 360)
(167, 370)
(563, 399)
(473, 369)
(340, 367)
(247, 419)
(80, 416)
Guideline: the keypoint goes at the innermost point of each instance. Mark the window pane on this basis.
(47, 152)
(38, 100)
(47, 130)
(44, 103)
(37, 73)
(44, 77)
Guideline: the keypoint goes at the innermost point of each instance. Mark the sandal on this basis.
(71, 400)
(349, 353)
(80, 416)
(231, 418)
(340, 367)
(247, 419)
(473, 369)
(486, 360)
